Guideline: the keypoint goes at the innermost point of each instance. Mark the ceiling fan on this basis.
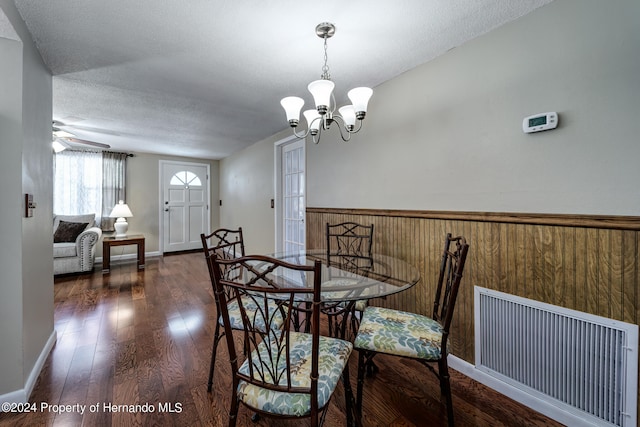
(63, 139)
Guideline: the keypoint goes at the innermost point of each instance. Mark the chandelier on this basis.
(324, 115)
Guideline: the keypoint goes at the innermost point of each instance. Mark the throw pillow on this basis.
(90, 218)
(69, 231)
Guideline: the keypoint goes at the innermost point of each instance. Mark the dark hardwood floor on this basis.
(136, 338)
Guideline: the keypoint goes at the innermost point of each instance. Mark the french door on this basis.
(291, 194)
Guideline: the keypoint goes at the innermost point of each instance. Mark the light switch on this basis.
(29, 205)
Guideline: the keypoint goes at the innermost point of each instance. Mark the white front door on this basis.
(293, 199)
(184, 204)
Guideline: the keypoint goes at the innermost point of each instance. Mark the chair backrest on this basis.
(454, 257)
(224, 244)
(271, 288)
(349, 244)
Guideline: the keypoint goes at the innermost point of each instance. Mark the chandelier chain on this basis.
(325, 68)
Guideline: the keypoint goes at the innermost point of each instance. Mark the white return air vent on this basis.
(584, 364)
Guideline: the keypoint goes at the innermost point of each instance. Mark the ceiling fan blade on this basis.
(64, 135)
(85, 142)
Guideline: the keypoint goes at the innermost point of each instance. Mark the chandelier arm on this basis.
(340, 123)
(308, 132)
(302, 135)
(359, 127)
(355, 130)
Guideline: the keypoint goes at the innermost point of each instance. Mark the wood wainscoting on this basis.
(582, 262)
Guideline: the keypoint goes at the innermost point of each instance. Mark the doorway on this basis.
(290, 195)
(184, 202)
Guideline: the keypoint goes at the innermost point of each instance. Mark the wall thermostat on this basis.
(540, 122)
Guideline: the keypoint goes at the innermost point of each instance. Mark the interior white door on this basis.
(185, 205)
(293, 190)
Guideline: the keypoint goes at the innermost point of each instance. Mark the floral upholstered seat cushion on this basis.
(400, 333)
(333, 356)
(258, 317)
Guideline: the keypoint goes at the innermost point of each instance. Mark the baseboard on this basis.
(520, 396)
(22, 396)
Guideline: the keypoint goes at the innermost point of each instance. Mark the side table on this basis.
(109, 241)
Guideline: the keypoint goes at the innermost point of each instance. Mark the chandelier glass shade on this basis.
(348, 118)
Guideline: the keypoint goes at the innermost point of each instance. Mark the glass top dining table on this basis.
(365, 278)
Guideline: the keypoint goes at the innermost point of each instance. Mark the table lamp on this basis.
(121, 211)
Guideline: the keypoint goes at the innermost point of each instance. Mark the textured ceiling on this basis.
(203, 78)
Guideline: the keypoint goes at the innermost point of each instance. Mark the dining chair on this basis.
(287, 374)
(226, 244)
(413, 336)
(349, 243)
(349, 246)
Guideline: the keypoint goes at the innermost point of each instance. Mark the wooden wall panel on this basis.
(580, 261)
(592, 254)
(615, 275)
(585, 263)
(630, 273)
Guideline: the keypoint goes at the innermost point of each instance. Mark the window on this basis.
(185, 178)
(88, 182)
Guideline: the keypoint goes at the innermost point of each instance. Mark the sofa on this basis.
(75, 238)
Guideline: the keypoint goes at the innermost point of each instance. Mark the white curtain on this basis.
(77, 186)
(113, 187)
(88, 182)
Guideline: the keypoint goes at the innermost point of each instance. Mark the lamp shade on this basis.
(321, 91)
(313, 120)
(121, 210)
(292, 106)
(348, 115)
(360, 98)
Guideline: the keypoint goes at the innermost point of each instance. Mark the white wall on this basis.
(26, 255)
(37, 179)
(465, 109)
(10, 227)
(246, 190)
